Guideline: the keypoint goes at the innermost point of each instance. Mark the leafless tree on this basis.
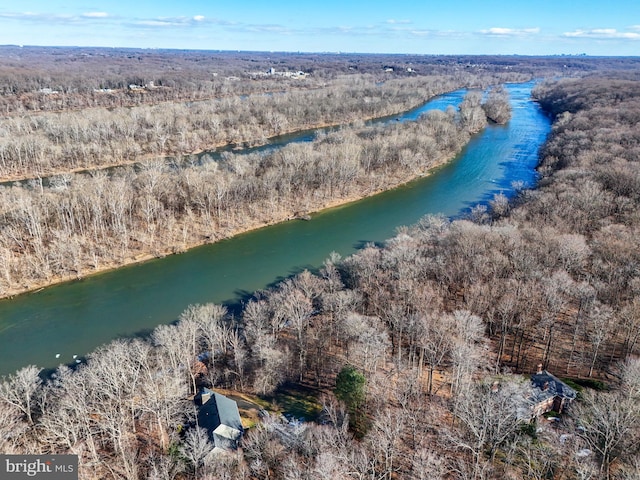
(21, 391)
(435, 340)
(497, 106)
(610, 425)
(488, 415)
(196, 447)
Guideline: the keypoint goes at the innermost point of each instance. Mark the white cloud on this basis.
(278, 29)
(604, 34)
(166, 22)
(56, 18)
(393, 21)
(177, 22)
(509, 32)
(421, 33)
(95, 15)
(155, 23)
(450, 34)
(14, 15)
(34, 17)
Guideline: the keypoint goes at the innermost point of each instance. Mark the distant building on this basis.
(220, 417)
(549, 393)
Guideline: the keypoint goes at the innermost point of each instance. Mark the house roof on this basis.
(219, 415)
(227, 432)
(548, 385)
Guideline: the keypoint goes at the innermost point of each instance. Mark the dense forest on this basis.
(416, 351)
(53, 79)
(71, 224)
(38, 145)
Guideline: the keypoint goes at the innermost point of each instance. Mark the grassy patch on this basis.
(249, 407)
(290, 400)
(573, 384)
(296, 401)
(529, 429)
(580, 384)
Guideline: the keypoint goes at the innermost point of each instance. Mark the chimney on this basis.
(539, 369)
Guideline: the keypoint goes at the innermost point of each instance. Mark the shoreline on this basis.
(6, 181)
(290, 215)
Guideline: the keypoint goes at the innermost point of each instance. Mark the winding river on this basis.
(74, 318)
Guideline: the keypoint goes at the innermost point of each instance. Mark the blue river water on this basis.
(74, 318)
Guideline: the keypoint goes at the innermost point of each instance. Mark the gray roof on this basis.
(219, 415)
(548, 385)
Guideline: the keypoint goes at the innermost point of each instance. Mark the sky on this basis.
(523, 27)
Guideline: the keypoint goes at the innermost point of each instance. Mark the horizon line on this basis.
(322, 52)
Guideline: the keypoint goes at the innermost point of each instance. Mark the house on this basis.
(549, 393)
(219, 416)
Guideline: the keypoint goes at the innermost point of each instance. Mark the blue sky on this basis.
(541, 27)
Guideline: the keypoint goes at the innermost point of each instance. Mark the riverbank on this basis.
(223, 146)
(289, 213)
(212, 148)
(80, 225)
(76, 317)
(47, 144)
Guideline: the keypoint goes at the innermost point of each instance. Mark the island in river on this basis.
(76, 317)
(69, 226)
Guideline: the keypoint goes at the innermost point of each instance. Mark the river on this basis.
(73, 318)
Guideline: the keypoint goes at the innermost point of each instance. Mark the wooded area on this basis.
(44, 144)
(428, 333)
(69, 225)
(100, 77)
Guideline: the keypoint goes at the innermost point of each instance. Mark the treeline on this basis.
(36, 79)
(39, 145)
(100, 77)
(82, 223)
(39, 79)
(422, 331)
(126, 411)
